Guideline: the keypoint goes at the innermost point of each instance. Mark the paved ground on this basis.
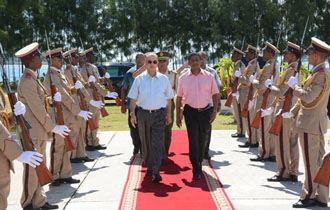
(103, 180)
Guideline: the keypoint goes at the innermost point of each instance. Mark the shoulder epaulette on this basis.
(28, 75)
(68, 67)
(269, 62)
(321, 70)
(292, 68)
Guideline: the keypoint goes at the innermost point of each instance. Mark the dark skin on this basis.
(249, 56)
(314, 57)
(235, 56)
(90, 58)
(195, 63)
(290, 57)
(35, 63)
(268, 54)
(57, 62)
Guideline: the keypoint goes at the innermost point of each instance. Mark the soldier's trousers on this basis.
(266, 140)
(238, 117)
(60, 165)
(287, 150)
(247, 121)
(312, 147)
(4, 190)
(92, 139)
(168, 132)
(151, 130)
(33, 193)
(79, 139)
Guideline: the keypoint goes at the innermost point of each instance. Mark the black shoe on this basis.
(156, 178)
(99, 147)
(87, 159)
(48, 206)
(254, 145)
(56, 183)
(90, 148)
(76, 160)
(236, 135)
(278, 179)
(319, 203)
(246, 145)
(148, 172)
(304, 203)
(70, 180)
(271, 159)
(257, 159)
(293, 178)
(207, 156)
(135, 150)
(28, 207)
(196, 176)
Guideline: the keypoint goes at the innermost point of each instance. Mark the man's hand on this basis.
(168, 119)
(133, 120)
(123, 107)
(213, 116)
(179, 117)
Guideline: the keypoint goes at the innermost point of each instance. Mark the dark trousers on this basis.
(198, 127)
(134, 133)
(168, 133)
(208, 141)
(151, 130)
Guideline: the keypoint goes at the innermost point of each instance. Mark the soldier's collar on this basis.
(253, 61)
(34, 73)
(316, 68)
(55, 69)
(295, 64)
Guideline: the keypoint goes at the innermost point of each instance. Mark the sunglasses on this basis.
(154, 62)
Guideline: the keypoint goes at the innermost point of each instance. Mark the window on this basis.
(113, 71)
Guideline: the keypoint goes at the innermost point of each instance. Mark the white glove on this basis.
(57, 97)
(78, 85)
(266, 112)
(325, 155)
(236, 95)
(32, 158)
(97, 104)
(251, 104)
(19, 108)
(238, 73)
(85, 114)
(112, 95)
(293, 81)
(61, 130)
(252, 77)
(269, 82)
(287, 115)
(107, 75)
(279, 112)
(91, 79)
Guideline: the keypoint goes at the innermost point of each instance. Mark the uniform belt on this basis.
(151, 110)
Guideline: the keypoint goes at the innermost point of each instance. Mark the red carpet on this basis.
(177, 190)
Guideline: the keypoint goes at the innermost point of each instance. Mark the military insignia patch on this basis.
(28, 75)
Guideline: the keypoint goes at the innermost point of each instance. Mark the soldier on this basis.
(286, 143)
(33, 95)
(269, 71)
(236, 72)
(312, 123)
(78, 134)
(173, 77)
(90, 73)
(60, 160)
(218, 82)
(9, 151)
(244, 87)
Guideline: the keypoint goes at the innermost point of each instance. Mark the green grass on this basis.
(116, 121)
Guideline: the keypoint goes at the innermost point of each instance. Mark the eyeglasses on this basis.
(154, 62)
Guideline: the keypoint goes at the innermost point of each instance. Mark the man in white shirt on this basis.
(152, 93)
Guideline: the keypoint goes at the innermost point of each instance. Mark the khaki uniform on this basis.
(80, 127)
(312, 124)
(60, 161)
(92, 71)
(9, 151)
(286, 143)
(244, 88)
(266, 142)
(235, 103)
(173, 77)
(33, 95)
